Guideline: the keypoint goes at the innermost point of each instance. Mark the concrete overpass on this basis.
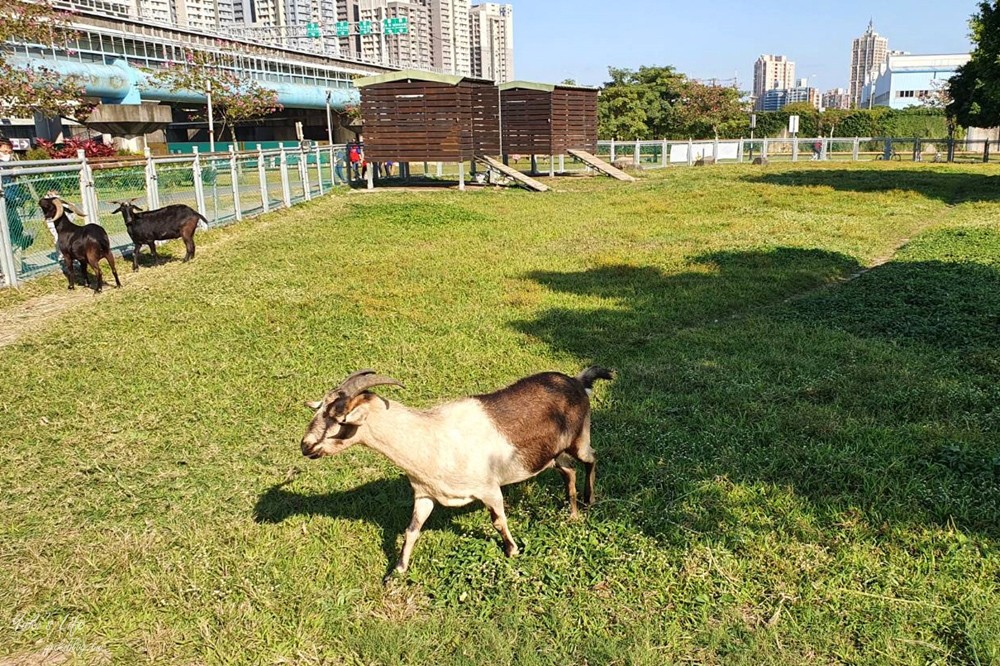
(113, 58)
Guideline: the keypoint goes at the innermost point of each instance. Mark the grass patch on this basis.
(793, 468)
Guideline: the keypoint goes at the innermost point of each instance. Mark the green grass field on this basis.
(795, 467)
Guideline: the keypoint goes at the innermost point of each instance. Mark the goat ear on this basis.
(357, 415)
(313, 404)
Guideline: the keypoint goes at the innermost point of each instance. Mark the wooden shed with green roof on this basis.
(547, 119)
(414, 116)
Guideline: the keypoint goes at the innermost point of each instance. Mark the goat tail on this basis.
(592, 374)
(202, 221)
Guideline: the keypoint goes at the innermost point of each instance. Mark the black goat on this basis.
(147, 227)
(87, 244)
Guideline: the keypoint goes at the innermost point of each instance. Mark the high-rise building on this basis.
(492, 34)
(450, 42)
(868, 52)
(207, 14)
(772, 72)
(409, 50)
(804, 93)
(838, 98)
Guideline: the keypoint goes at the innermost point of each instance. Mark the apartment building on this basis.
(868, 52)
(492, 46)
(772, 72)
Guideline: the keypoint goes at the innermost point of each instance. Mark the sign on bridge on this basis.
(396, 26)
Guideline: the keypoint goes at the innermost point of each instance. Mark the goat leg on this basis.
(566, 466)
(422, 507)
(135, 258)
(494, 502)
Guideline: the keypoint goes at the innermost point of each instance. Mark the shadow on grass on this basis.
(942, 184)
(879, 396)
(386, 503)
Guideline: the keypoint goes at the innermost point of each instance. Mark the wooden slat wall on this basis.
(526, 122)
(424, 121)
(485, 118)
(574, 120)
(541, 123)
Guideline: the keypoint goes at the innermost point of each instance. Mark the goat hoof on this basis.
(512, 550)
(393, 573)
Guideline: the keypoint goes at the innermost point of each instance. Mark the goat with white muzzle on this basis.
(87, 244)
(465, 450)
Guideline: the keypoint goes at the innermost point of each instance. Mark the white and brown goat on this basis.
(465, 450)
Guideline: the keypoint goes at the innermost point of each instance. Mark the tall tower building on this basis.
(868, 52)
(772, 72)
(492, 34)
(450, 39)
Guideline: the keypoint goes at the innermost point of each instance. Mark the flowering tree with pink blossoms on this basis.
(23, 90)
(235, 99)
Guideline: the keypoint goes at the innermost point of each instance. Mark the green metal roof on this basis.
(542, 87)
(408, 75)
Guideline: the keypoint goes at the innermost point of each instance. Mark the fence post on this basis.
(265, 200)
(663, 154)
(286, 193)
(152, 187)
(715, 149)
(739, 152)
(6, 248)
(562, 163)
(763, 150)
(637, 155)
(690, 152)
(855, 149)
(319, 170)
(795, 148)
(199, 187)
(86, 185)
(234, 175)
(824, 149)
(612, 155)
(304, 172)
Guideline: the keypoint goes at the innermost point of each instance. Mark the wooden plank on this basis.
(600, 165)
(526, 181)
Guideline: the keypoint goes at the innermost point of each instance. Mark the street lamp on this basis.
(329, 118)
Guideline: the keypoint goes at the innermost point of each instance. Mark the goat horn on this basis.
(365, 379)
(59, 207)
(76, 210)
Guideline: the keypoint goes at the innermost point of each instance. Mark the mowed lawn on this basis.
(795, 467)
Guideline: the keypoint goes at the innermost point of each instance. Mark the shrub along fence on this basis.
(224, 187)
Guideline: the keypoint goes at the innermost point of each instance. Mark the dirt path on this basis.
(24, 319)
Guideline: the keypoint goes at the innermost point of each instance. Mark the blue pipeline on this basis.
(120, 83)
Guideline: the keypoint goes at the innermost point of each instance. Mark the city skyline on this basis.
(723, 40)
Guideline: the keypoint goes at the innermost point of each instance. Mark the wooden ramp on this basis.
(526, 181)
(599, 164)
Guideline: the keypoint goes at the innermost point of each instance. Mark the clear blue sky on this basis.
(579, 39)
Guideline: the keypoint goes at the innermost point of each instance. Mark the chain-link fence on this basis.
(224, 188)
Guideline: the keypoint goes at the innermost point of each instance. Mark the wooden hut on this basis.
(544, 119)
(414, 116)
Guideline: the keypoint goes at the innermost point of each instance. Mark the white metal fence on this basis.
(660, 154)
(222, 187)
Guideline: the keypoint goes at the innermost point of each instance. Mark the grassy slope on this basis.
(785, 477)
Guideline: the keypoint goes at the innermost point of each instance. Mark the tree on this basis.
(235, 99)
(660, 102)
(975, 88)
(25, 91)
(707, 111)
